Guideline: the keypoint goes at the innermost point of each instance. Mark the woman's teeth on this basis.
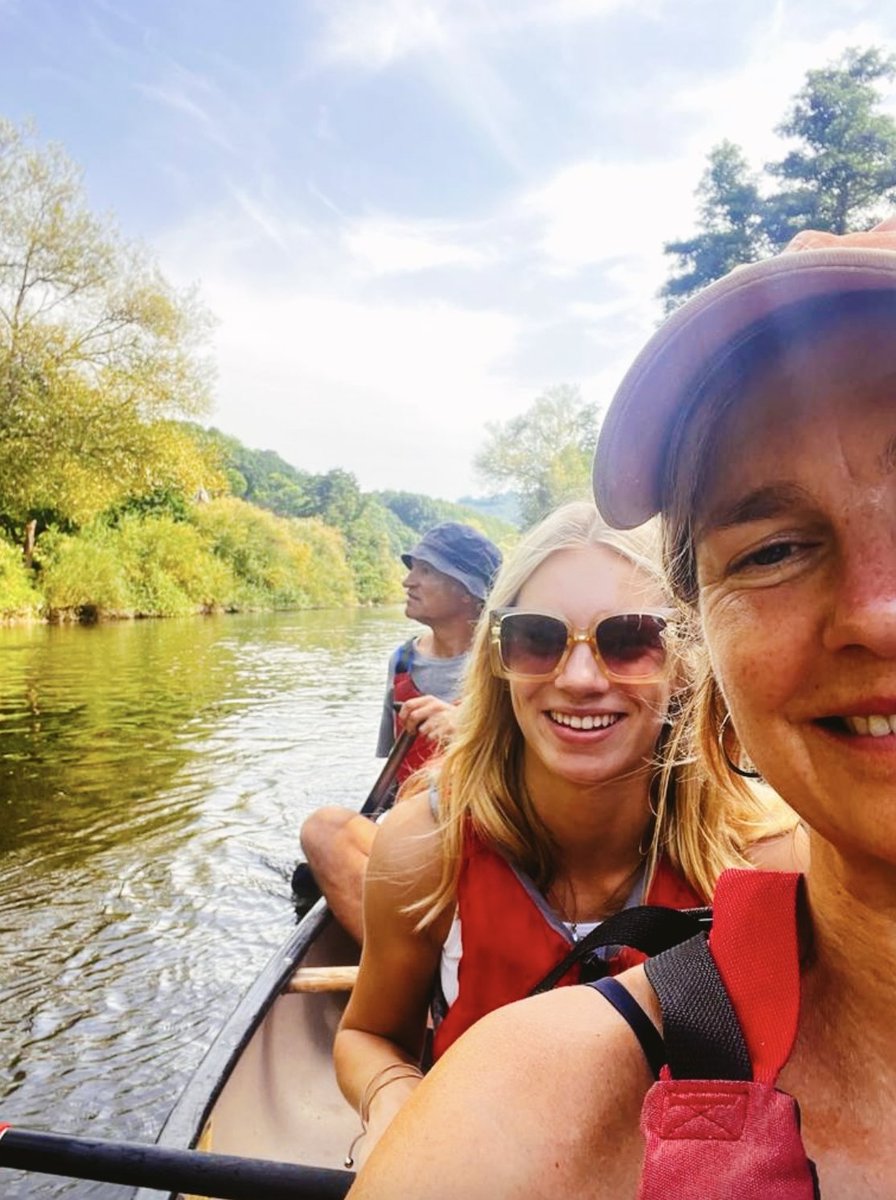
(874, 726)
(599, 721)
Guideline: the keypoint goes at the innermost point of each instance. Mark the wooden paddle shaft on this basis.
(138, 1164)
(322, 979)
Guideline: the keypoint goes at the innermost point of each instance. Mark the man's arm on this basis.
(386, 735)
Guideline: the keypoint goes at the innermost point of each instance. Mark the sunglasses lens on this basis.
(531, 644)
(632, 645)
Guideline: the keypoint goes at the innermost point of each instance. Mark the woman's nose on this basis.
(862, 603)
(582, 671)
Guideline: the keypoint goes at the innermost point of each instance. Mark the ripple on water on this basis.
(154, 776)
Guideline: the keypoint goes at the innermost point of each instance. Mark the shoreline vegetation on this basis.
(114, 501)
(163, 556)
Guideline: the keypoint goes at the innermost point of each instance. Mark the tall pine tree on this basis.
(839, 175)
(842, 170)
(731, 225)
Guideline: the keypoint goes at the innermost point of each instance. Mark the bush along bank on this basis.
(222, 555)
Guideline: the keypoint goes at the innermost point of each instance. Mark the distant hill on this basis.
(420, 513)
(504, 506)
(377, 526)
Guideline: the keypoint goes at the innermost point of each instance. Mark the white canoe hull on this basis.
(266, 1088)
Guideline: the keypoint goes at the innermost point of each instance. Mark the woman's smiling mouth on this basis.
(586, 721)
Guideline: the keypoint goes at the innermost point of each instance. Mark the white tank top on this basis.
(453, 948)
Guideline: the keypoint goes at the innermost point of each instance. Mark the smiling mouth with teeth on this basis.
(871, 726)
(588, 721)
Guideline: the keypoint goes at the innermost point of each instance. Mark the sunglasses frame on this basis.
(573, 637)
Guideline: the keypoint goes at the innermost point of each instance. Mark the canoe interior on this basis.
(266, 1088)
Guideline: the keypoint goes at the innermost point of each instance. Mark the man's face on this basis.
(433, 596)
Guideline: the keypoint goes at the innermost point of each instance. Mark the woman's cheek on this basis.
(748, 652)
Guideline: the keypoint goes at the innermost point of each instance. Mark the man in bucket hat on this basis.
(450, 571)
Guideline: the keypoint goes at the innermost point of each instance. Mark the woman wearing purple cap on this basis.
(546, 815)
(760, 421)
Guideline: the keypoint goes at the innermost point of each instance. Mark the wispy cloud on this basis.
(175, 96)
(372, 36)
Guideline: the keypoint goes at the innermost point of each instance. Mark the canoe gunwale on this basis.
(184, 1124)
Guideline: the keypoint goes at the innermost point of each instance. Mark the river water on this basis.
(154, 776)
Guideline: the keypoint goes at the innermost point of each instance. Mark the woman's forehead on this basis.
(807, 411)
(597, 577)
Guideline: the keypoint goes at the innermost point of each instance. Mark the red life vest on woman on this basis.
(403, 688)
(509, 944)
(725, 1130)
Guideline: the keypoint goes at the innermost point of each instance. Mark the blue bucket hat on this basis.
(461, 552)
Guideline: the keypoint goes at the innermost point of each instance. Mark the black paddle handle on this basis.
(138, 1164)
(378, 800)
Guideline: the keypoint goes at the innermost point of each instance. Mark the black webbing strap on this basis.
(649, 928)
(702, 1034)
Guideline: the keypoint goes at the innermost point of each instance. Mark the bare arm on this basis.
(539, 1100)
(385, 1021)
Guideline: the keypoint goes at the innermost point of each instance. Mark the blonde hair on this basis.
(480, 778)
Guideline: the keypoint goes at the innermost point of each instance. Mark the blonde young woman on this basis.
(545, 816)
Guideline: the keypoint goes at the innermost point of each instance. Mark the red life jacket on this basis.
(403, 688)
(730, 1133)
(509, 944)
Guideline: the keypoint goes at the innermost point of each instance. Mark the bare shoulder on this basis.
(540, 1099)
(408, 835)
(405, 862)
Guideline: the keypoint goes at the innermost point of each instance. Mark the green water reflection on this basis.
(154, 775)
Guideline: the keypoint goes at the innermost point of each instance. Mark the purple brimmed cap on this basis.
(461, 552)
(630, 460)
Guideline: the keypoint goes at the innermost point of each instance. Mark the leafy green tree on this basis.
(545, 453)
(418, 513)
(731, 230)
(95, 348)
(843, 167)
(279, 562)
(17, 595)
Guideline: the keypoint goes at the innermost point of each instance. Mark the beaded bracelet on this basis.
(382, 1078)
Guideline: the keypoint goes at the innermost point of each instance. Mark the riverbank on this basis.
(221, 556)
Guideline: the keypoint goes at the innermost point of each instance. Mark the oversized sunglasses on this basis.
(628, 647)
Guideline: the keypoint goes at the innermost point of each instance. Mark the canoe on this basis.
(266, 1088)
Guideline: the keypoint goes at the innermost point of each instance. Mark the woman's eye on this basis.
(767, 556)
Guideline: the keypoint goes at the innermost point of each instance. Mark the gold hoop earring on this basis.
(744, 772)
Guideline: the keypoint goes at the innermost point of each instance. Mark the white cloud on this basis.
(373, 36)
(596, 212)
(175, 96)
(331, 381)
(386, 247)
(746, 104)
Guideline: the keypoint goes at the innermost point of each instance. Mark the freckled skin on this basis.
(799, 611)
(798, 639)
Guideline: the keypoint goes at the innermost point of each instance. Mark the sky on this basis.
(411, 217)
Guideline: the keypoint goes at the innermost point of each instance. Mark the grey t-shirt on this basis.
(439, 677)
